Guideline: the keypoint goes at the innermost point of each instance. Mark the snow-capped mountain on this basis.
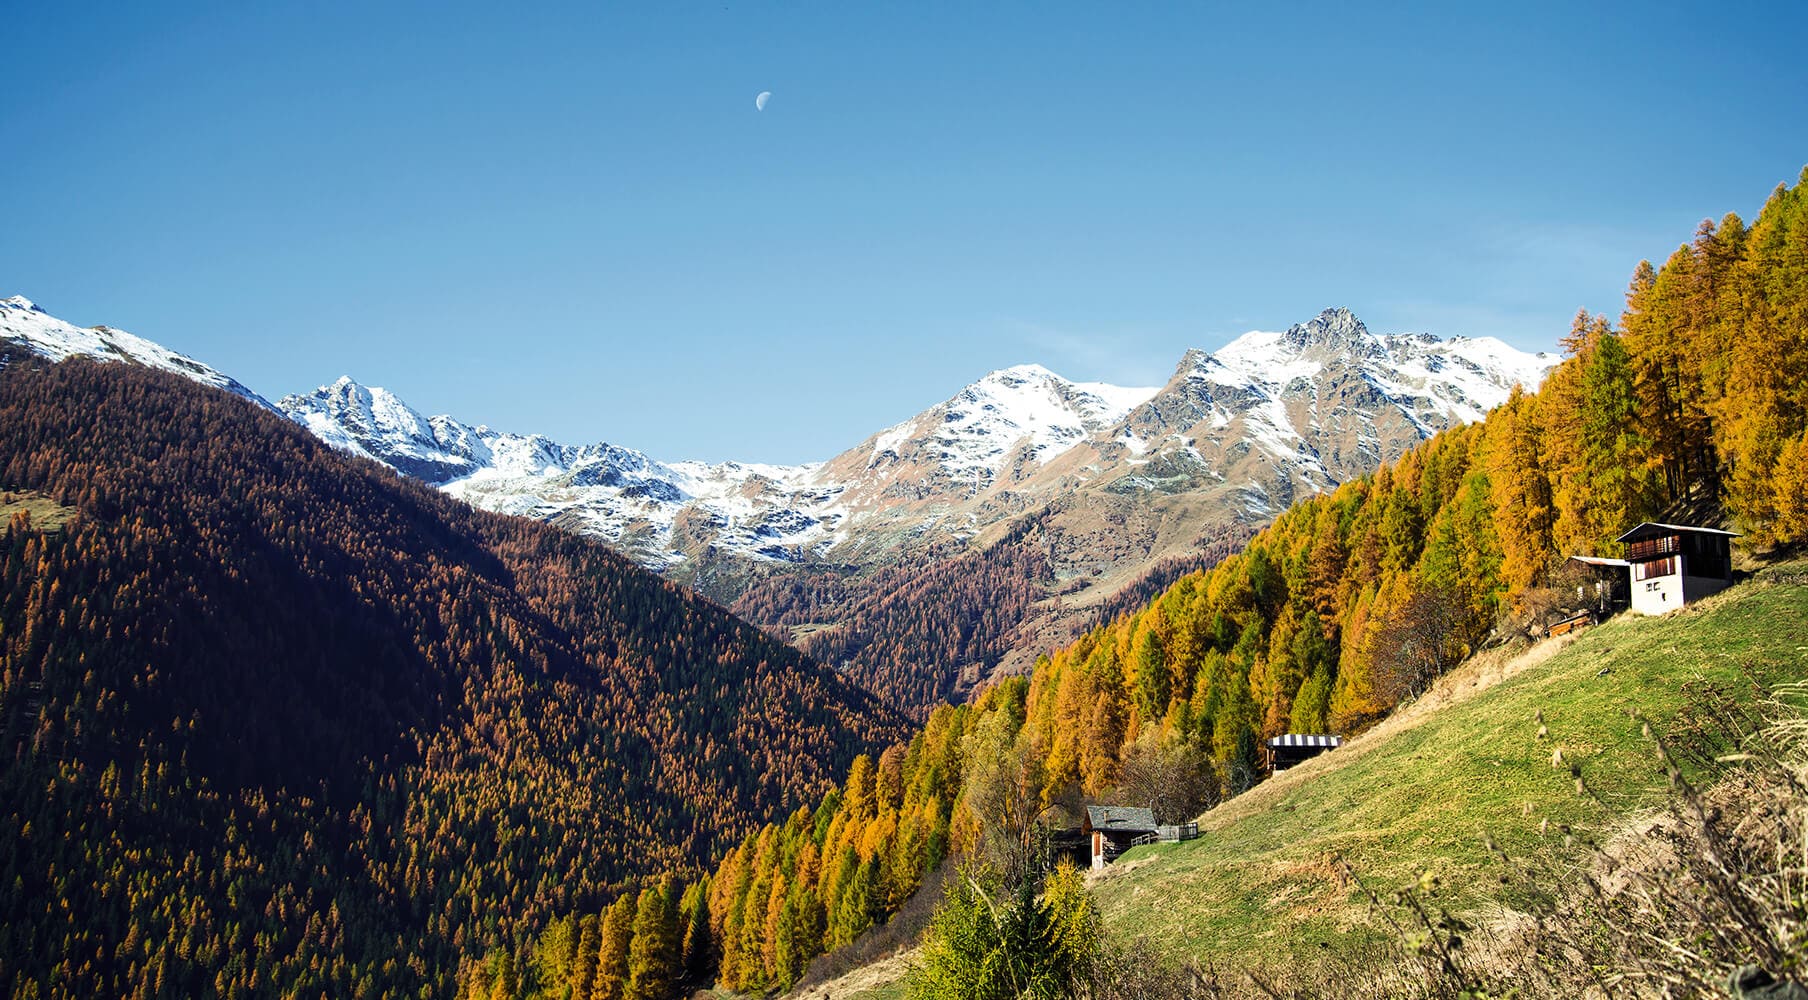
(1274, 414)
(1025, 414)
(1118, 477)
(23, 322)
(1269, 417)
(670, 515)
(605, 490)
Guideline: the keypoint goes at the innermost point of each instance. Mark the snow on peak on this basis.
(1022, 373)
(613, 493)
(1327, 397)
(1024, 410)
(1463, 377)
(24, 322)
(1257, 358)
(375, 423)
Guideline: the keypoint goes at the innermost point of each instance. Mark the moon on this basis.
(759, 103)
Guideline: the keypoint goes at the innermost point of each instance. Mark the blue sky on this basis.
(572, 220)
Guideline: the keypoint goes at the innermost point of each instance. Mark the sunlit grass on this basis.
(1420, 797)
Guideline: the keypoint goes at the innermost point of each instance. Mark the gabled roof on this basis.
(1305, 740)
(1129, 819)
(1655, 528)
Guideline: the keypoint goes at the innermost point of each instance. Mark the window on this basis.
(1656, 567)
(1646, 548)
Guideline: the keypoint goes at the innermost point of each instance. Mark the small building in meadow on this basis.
(1292, 749)
(1672, 564)
(1112, 830)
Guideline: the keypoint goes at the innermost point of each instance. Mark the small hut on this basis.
(1673, 564)
(1612, 590)
(1293, 749)
(1113, 829)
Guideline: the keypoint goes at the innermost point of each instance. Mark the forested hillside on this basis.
(906, 631)
(277, 722)
(1347, 604)
(1354, 600)
(922, 634)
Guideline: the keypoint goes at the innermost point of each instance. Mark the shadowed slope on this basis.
(280, 721)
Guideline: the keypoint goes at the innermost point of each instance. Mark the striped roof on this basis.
(1305, 740)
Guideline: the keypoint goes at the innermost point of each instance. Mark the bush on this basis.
(988, 944)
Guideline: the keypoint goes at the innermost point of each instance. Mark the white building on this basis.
(1673, 564)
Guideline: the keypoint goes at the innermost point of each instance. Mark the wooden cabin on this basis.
(1672, 564)
(1112, 830)
(1293, 749)
(1610, 593)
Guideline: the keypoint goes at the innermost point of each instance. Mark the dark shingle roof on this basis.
(1130, 819)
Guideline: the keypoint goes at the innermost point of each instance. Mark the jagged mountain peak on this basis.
(21, 302)
(378, 424)
(1269, 357)
(1012, 417)
(1335, 327)
(373, 400)
(1191, 361)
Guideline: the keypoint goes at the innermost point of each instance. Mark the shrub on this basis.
(988, 944)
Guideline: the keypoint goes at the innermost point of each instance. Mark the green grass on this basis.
(1417, 796)
(46, 514)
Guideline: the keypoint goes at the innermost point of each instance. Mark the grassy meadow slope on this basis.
(1419, 794)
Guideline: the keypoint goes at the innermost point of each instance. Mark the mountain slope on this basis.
(277, 721)
(23, 323)
(1417, 801)
(1417, 794)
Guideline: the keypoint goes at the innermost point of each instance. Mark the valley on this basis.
(1323, 662)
